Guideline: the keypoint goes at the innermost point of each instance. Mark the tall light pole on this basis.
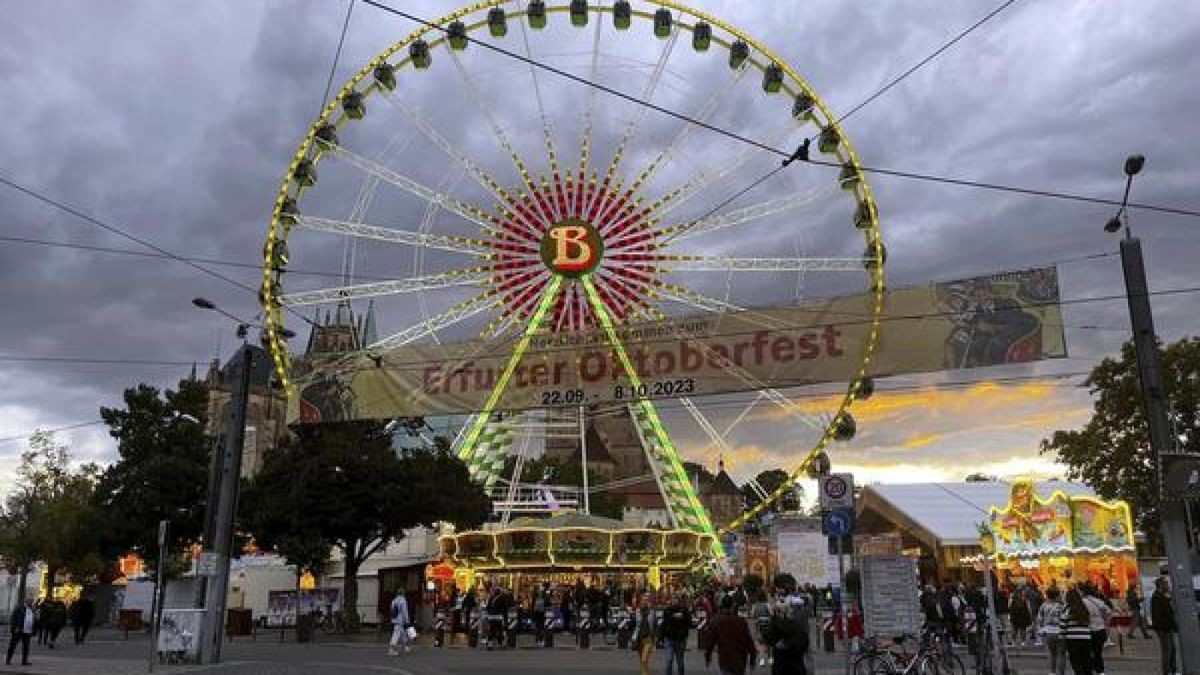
(1172, 509)
(227, 476)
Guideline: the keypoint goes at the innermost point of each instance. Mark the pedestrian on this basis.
(400, 621)
(39, 626)
(1019, 615)
(645, 634)
(788, 638)
(496, 610)
(1137, 618)
(730, 637)
(470, 603)
(1001, 600)
(1098, 614)
(676, 626)
(1049, 627)
(541, 596)
(21, 628)
(83, 613)
(55, 618)
(1162, 618)
(1077, 633)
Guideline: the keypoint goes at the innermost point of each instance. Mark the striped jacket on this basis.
(1074, 630)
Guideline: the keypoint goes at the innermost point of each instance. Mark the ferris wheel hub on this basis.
(572, 247)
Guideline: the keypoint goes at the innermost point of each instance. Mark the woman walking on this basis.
(1098, 613)
(1077, 634)
(644, 635)
(1049, 626)
(1018, 614)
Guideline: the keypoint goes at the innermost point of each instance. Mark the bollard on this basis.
(510, 635)
(624, 631)
(827, 636)
(439, 634)
(548, 641)
(473, 631)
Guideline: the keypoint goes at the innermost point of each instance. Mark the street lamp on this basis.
(1172, 509)
(224, 480)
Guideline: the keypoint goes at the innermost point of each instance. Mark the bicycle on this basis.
(938, 644)
(331, 622)
(874, 659)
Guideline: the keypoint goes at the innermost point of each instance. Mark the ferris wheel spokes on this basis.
(709, 263)
(469, 276)
(720, 221)
(548, 217)
(459, 312)
(632, 128)
(453, 243)
(702, 114)
(452, 204)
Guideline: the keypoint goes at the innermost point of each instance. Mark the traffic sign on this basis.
(837, 523)
(836, 491)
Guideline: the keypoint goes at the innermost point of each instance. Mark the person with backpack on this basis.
(1162, 619)
(1077, 633)
(1049, 627)
(400, 620)
(787, 635)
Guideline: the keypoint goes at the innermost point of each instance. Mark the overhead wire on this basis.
(984, 185)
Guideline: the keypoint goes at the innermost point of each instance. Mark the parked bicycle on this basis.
(930, 657)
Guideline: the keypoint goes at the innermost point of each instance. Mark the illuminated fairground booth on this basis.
(574, 545)
(1062, 538)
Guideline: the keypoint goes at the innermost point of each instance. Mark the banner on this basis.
(1004, 318)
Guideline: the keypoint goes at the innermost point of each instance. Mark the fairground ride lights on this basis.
(763, 347)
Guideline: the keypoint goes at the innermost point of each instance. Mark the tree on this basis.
(48, 516)
(770, 480)
(343, 484)
(162, 470)
(1112, 451)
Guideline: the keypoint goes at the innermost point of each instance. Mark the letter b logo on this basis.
(571, 248)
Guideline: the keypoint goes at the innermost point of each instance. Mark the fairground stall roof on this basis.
(575, 541)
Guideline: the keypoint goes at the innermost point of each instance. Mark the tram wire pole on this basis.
(1172, 510)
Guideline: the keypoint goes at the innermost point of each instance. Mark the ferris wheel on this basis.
(491, 197)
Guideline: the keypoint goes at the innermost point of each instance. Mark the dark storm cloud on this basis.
(176, 121)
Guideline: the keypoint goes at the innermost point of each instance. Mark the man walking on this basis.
(1162, 618)
(21, 623)
(83, 612)
(676, 625)
(730, 637)
(400, 621)
(1137, 618)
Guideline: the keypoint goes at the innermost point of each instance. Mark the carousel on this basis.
(575, 546)
(1061, 539)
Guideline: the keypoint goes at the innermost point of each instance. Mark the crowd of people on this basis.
(44, 621)
(1072, 622)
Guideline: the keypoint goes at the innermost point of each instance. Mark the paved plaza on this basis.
(110, 654)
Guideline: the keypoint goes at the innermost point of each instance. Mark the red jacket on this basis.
(733, 642)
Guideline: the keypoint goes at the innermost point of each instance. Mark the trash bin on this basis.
(239, 622)
(305, 625)
(129, 619)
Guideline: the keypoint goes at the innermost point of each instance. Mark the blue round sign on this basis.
(838, 523)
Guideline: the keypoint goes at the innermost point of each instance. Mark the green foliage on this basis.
(342, 485)
(162, 472)
(1112, 451)
(770, 480)
(49, 515)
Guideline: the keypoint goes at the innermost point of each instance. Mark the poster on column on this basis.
(1013, 317)
(805, 555)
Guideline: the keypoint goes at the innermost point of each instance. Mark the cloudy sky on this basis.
(176, 122)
